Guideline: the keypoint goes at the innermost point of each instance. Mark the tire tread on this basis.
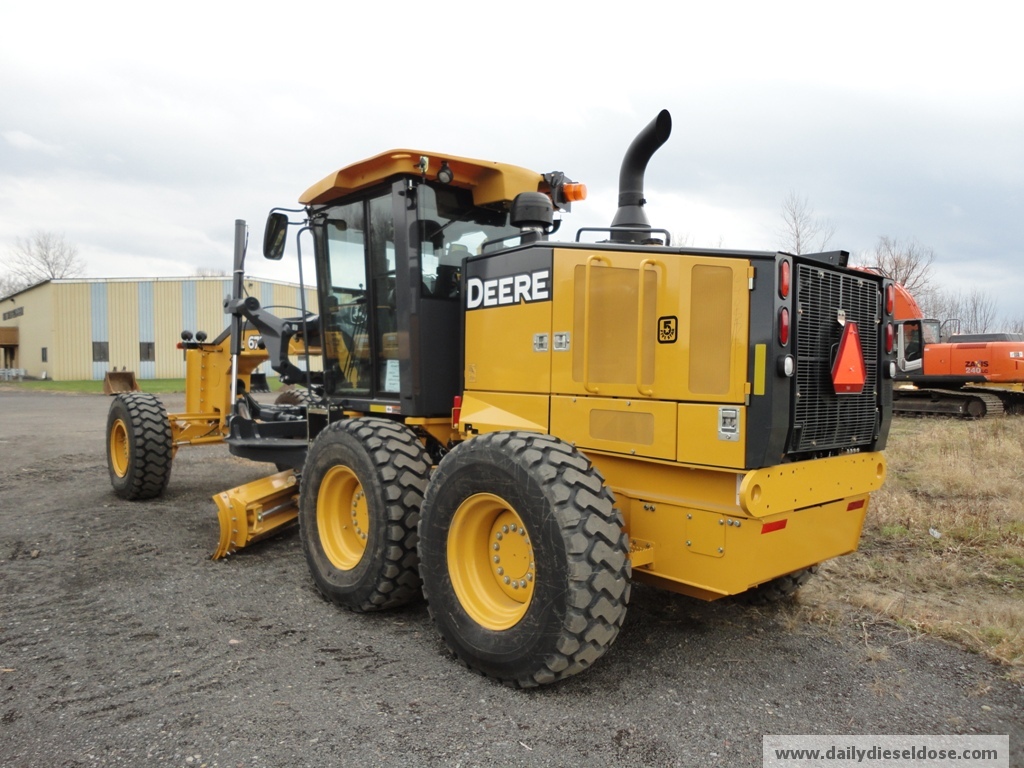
(401, 464)
(779, 589)
(599, 568)
(149, 469)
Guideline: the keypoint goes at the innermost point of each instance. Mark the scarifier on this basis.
(517, 427)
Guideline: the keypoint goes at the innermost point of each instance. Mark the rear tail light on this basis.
(784, 326)
(785, 271)
(890, 298)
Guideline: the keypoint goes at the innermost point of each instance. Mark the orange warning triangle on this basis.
(848, 371)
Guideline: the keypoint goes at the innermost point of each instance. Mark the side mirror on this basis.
(274, 236)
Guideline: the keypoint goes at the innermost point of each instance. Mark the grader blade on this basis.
(253, 511)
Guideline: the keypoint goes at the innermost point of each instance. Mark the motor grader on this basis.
(517, 427)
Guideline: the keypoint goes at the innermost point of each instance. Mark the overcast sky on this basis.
(142, 131)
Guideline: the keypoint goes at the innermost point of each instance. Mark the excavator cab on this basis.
(912, 338)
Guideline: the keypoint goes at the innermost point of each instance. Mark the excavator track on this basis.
(1012, 399)
(962, 404)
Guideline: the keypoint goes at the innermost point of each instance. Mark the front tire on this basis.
(140, 446)
(359, 504)
(523, 558)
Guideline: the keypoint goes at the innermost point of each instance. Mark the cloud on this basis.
(23, 141)
(144, 135)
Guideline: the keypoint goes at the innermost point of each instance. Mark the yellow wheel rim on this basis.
(342, 517)
(119, 448)
(490, 561)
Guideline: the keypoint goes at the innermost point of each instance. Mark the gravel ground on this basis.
(122, 643)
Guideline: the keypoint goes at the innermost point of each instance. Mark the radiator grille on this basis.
(823, 420)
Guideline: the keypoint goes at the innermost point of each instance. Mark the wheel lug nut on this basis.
(507, 579)
(513, 527)
(522, 531)
(497, 547)
(498, 536)
(497, 559)
(529, 577)
(501, 571)
(504, 528)
(522, 584)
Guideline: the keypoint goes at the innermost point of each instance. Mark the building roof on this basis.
(182, 279)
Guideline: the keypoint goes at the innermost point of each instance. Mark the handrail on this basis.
(640, 324)
(586, 321)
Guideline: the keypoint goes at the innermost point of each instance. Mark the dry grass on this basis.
(943, 545)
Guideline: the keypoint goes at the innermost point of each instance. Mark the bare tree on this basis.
(908, 263)
(801, 230)
(942, 305)
(1015, 324)
(980, 312)
(209, 272)
(972, 312)
(10, 284)
(44, 256)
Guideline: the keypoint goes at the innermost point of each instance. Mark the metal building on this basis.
(81, 328)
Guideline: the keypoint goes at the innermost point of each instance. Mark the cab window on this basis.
(912, 349)
(361, 354)
(450, 229)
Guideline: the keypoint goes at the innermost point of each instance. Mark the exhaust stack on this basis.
(630, 216)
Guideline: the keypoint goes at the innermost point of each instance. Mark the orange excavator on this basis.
(965, 375)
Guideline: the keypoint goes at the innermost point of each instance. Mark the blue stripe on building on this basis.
(189, 311)
(98, 319)
(147, 328)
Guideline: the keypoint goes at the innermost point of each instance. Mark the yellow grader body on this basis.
(208, 379)
(515, 428)
(648, 413)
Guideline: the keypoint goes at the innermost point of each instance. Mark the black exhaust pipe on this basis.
(630, 218)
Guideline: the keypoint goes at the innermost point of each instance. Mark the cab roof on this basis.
(490, 182)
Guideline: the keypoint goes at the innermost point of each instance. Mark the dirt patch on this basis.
(122, 643)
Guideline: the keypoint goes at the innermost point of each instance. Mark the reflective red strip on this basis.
(856, 504)
(778, 525)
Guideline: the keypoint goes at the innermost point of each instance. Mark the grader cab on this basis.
(516, 427)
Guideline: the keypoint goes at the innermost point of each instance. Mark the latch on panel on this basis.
(729, 424)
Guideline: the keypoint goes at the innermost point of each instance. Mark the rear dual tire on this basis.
(780, 589)
(523, 558)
